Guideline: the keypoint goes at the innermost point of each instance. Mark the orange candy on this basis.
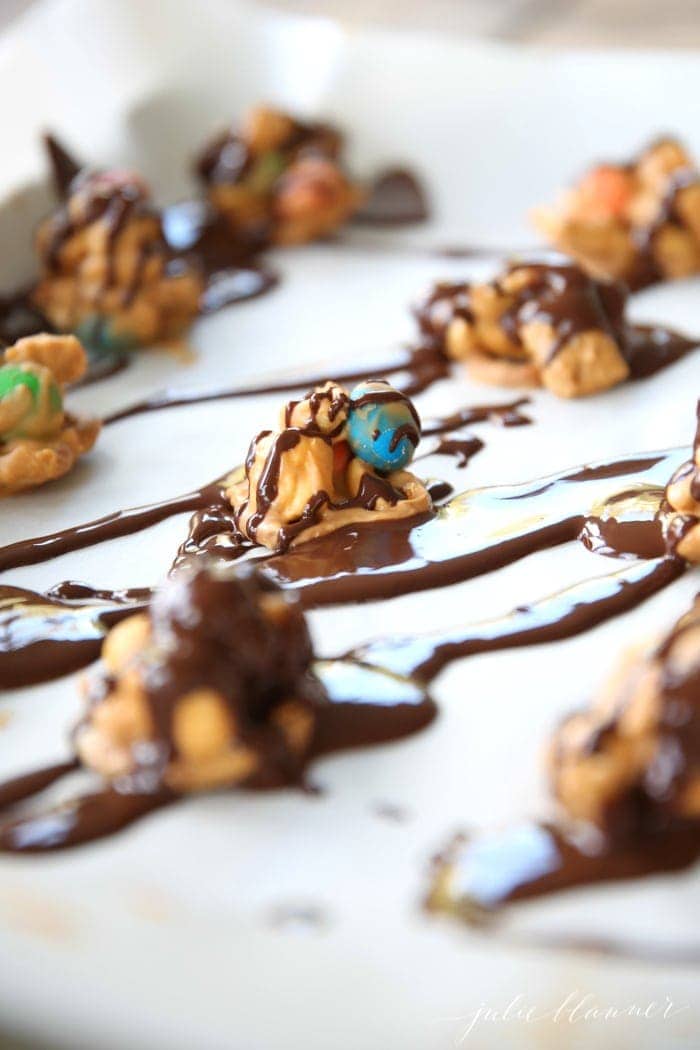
(605, 192)
(341, 456)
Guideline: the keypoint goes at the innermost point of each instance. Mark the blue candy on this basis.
(99, 334)
(383, 427)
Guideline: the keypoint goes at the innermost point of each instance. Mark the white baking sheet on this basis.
(164, 936)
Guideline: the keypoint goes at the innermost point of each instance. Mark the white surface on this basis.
(161, 937)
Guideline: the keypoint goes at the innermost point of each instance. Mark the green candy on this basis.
(12, 377)
(266, 171)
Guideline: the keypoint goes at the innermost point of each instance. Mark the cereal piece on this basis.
(310, 477)
(106, 271)
(211, 687)
(279, 179)
(682, 523)
(534, 325)
(39, 441)
(631, 761)
(638, 222)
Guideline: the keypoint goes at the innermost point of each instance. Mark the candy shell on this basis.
(383, 427)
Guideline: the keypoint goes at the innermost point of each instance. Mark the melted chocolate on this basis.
(193, 230)
(532, 860)
(507, 415)
(464, 540)
(461, 449)
(475, 533)
(64, 166)
(357, 707)
(416, 369)
(563, 615)
(44, 636)
(19, 317)
(120, 523)
(650, 349)
(396, 198)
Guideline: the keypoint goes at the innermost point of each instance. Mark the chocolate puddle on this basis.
(479, 877)
(192, 229)
(396, 197)
(652, 348)
(360, 707)
(44, 637)
(479, 531)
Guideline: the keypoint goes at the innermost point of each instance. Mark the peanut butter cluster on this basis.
(535, 325)
(632, 761)
(211, 687)
(337, 459)
(106, 272)
(279, 180)
(39, 440)
(683, 498)
(637, 222)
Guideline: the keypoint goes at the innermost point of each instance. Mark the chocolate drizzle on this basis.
(415, 370)
(465, 539)
(357, 707)
(462, 449)
(506, 415)
(563, 615)
(476, 878)
(44, 636)
(120, 523)
(645, 269)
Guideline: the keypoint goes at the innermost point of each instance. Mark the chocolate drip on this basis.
(82, 820)
(461, 449)
(194, 231)
(396, 197)
(563, 615)
(22, 787)
(386, 396)
(43, 637)
(650, 349)
(19, 317)
(64, 167)
(446, 301)
(337, 401)
(120, 523)
(416, 369)
(113, 209)
(507, 415)
(533, 860)
(357, 707)
(465, 539)
(646, 270)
